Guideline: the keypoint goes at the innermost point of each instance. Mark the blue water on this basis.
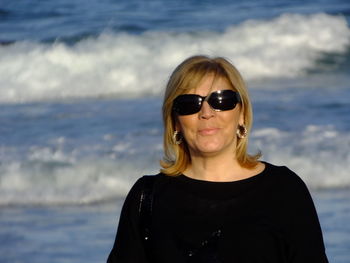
(80, 97)
(74, 20)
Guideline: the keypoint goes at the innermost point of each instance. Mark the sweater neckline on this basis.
(220, 190)
(252, 178)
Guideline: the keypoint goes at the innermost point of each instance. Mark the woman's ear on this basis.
(241, 120)
(177, 125)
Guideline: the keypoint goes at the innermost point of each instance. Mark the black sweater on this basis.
(268, 218)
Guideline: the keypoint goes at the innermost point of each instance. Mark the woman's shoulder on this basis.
(142, 186)
(145, 182)
(281, 170)
(288, 182)
(284, 175)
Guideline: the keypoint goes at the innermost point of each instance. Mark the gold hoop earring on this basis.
(241, 131)
(177, 138)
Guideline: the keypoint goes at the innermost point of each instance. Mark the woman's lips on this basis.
(208, 131)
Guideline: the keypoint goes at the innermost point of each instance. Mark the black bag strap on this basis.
(145, 208)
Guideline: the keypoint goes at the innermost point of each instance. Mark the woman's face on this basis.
(210, 132)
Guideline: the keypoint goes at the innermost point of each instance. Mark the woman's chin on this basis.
(210, 149)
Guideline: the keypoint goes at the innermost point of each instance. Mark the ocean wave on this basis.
(319, 153)
(60, 174)
(134, 65)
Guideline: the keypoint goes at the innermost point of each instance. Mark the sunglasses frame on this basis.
(177, 104)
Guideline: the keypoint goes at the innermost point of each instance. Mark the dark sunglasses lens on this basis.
(223, 100)
(187, 104)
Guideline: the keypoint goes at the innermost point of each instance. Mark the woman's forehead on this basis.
(209, 83)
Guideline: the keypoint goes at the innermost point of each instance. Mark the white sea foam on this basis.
(134, 65)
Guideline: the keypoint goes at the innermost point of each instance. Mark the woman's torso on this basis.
(201, 221)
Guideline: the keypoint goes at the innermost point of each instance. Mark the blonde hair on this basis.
(187, 76)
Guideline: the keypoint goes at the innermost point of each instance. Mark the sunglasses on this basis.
(220, 100)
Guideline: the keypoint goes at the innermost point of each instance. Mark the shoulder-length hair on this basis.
(185, 77)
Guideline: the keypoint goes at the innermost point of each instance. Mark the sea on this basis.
(81, 86)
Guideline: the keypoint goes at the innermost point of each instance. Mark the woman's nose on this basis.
(206, 111)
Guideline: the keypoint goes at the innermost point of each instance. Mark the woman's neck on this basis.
(220, 168)
(213, 168)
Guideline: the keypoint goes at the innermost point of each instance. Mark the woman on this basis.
(212, 201)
